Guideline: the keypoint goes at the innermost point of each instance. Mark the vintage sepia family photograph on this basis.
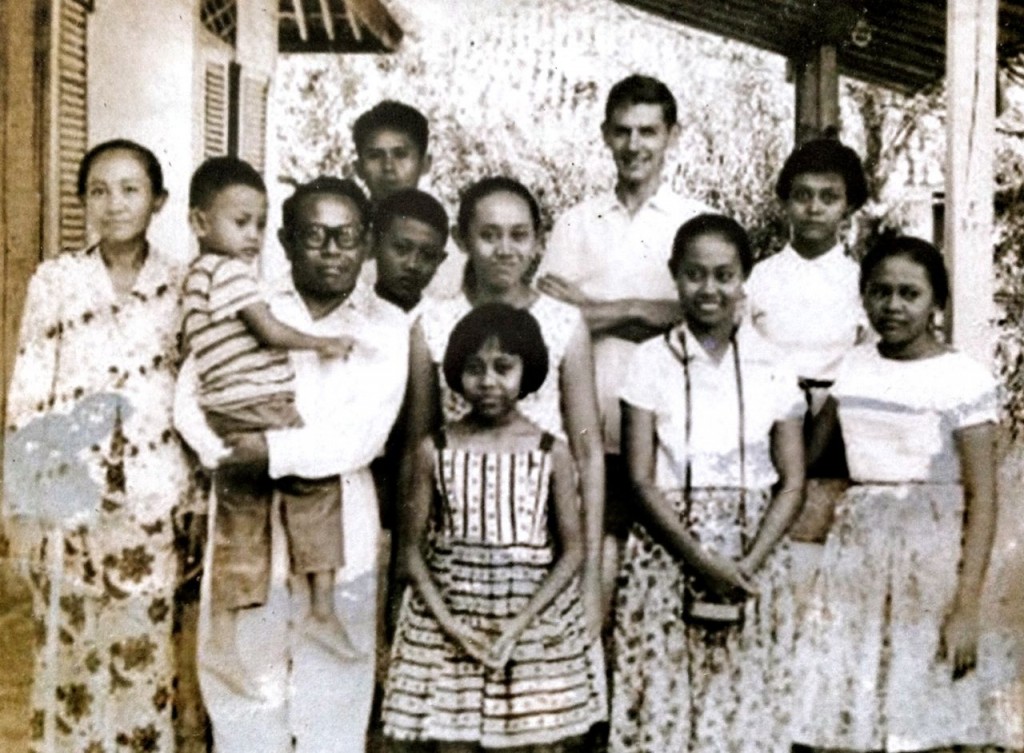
(523, 376)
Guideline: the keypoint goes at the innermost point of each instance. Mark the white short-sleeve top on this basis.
(898, 417)
(656, 382)
(558, 321)
(810, 308)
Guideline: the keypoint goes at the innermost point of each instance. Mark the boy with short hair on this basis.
(392, 154)
(410, 230)
(246, 384)
(391, 148)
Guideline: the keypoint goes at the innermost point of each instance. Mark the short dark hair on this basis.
(477, 192)
(148, 159)
(324, 184)
(711, 224)
(517, 332)
(641, 90)
(392, 115)
(826, 155)
(410, 202)
(218, 173)
(916, 250)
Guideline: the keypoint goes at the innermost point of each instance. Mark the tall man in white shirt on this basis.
(308, 701)
(609, 256)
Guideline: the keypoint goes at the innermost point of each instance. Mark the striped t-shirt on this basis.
(235, 369)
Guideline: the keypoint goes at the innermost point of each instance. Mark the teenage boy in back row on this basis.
(392, 154)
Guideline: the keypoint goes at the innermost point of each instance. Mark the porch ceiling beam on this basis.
(300, 20)
(328, 14)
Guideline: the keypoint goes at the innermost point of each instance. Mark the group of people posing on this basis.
(589, 452)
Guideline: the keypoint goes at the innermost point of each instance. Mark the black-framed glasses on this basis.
(316, 236)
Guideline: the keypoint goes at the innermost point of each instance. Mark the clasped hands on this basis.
(725, 575)
(493, 653)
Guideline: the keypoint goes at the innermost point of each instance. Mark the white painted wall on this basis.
(257, 35)
(141, 57)
(145, 83)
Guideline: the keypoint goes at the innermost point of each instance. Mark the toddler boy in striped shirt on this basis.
(246, 384)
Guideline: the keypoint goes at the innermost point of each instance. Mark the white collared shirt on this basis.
(656, 382)
(614, 255)
(810, 308)
(347, 406)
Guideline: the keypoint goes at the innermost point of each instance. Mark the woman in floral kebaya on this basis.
(95, 481)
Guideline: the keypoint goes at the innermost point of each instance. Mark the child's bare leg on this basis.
(324, 626)
(223, 659)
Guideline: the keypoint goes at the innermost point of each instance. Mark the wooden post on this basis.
(970, 147)
(817, 92)
(23, 51)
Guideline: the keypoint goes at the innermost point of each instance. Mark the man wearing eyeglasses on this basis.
(303, 696)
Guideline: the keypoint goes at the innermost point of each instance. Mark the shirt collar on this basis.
(695, 352)
(660, 201)
(361, 299)
(833, 256)
(752, 346)
(156, 275)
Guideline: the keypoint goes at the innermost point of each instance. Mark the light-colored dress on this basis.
(678, 687)
(95, 482)
(558, 321)
(490, 550)
(867, 655)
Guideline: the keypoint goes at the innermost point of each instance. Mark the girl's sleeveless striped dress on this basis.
(490, 549)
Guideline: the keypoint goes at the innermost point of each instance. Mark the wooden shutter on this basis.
(253, 121)
(216, 107)
(70, 119)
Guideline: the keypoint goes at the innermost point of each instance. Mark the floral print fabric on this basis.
(870, 676)
(95, 482)
(677, 687)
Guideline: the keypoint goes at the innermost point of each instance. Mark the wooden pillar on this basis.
(24, 45)
(970, 148)
(816, 81)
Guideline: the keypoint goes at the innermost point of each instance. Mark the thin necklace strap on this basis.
(684, 359)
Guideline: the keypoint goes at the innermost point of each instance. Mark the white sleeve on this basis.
(640, 385)
(979, 400)
(190, 421)
(560, 252)
(352, 420)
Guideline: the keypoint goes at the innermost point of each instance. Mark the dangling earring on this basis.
(937, 325)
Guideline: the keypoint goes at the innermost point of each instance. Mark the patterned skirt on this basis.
(683, 688)
(867, 653)
(552, 689)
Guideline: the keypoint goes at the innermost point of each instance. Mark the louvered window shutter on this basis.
(253, 121)
(216, 107)
(71, 119)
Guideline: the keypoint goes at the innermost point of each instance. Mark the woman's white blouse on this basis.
(656, 382)
(898, 417)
